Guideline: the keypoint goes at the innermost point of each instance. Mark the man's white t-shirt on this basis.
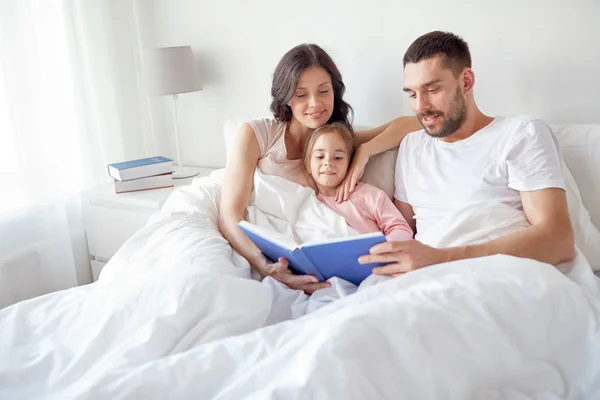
(510, 155)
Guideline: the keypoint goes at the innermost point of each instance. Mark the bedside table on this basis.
(110, 219)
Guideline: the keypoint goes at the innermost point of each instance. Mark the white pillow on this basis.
(587, 236)
(379, 172)
(580, 146)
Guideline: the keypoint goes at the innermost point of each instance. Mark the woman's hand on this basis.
(280, 272)
(355, 172)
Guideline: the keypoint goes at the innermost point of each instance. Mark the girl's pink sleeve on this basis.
(389, 219)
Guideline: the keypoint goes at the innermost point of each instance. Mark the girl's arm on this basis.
(389, 220)
(235, 195)
(371, 142)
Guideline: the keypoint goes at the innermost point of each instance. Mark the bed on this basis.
(176, 314)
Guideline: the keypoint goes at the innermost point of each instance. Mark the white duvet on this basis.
(175, 315)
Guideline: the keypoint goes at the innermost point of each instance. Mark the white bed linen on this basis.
(493, 328)
(173, 285)
(174, 316)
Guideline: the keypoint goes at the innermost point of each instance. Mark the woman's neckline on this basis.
(287, 134)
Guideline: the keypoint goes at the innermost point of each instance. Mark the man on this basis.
(462, 157)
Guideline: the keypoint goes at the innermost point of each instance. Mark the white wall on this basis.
(538, 57)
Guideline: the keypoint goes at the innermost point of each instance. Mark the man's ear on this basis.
(467, 80)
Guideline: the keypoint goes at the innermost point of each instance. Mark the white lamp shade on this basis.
(170, 70)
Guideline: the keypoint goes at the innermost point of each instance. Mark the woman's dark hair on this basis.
(286, 75)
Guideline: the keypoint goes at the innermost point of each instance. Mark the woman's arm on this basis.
(371, 142)
(387, 136)
(235, 195)
(364, 136)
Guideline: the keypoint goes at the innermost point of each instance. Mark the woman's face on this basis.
(312, 102)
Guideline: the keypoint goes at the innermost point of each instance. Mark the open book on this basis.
(324, 259)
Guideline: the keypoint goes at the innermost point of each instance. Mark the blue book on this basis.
(324, 259)
(124, 171)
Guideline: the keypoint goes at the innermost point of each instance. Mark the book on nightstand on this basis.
(323, 259)
(149, 182)
(142, 168)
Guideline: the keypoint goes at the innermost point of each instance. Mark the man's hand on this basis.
(406, 256)
(355, 172)
(280, 272)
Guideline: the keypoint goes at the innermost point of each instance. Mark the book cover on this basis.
(151, 182)
(141, 168)
(324, 259)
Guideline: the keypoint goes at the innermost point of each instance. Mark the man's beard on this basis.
(451, 123)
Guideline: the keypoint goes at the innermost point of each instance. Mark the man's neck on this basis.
(474, 122)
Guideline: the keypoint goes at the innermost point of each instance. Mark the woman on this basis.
(307, 93)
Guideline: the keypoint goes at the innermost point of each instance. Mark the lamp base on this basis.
(184, 172)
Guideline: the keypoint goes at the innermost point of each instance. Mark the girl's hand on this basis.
(355, 172)
(280, 272)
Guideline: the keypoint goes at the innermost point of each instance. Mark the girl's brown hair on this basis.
(286, 75)
(337, 127)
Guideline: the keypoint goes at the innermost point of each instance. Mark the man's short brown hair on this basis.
(452, 48)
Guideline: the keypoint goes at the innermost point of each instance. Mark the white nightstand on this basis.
(110, 219)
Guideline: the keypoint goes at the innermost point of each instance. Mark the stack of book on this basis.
(143, 174)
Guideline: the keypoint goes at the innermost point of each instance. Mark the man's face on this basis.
(436, 96)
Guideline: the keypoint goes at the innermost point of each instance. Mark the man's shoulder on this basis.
(415, 138)
(413, 143)
(518, 124)
(417, 135)
(526, 136)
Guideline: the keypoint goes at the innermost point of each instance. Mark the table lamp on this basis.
(170, 71)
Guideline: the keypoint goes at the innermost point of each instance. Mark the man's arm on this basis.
(549, 239)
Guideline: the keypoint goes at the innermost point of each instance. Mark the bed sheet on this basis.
(176, 315)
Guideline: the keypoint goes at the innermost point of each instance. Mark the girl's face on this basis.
(329, 161)
(312, 102)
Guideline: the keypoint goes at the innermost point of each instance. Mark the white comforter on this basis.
(174, 315)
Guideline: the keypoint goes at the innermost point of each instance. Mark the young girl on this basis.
(327, 155)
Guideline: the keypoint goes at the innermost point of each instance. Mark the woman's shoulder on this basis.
(265, 125)
(267, 131)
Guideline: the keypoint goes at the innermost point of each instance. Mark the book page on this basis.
(271, 235)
